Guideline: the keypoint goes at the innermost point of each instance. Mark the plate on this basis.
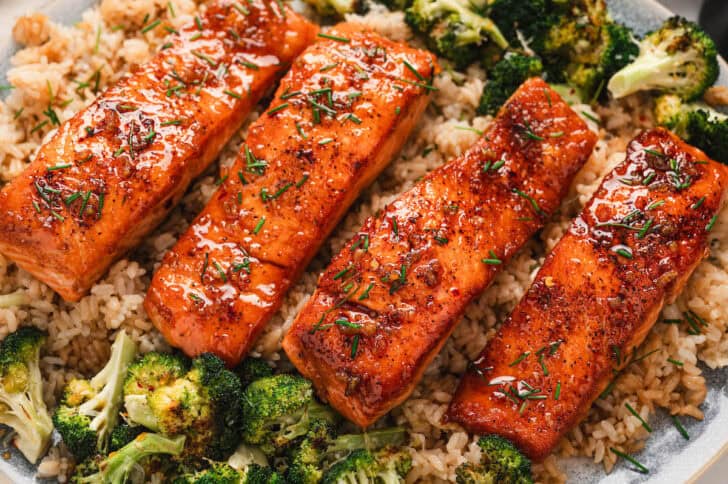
(667, 455)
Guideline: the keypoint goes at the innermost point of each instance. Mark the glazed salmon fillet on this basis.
(339, 116)
(597, 295)
(395, 292)
(112, 172)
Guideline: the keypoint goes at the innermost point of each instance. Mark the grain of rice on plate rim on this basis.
(64, 65)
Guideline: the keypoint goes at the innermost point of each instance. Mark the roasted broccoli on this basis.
(696, 123)
(678, 58)
(123, 434)
(454, 29)
(500, 462)
(505, 78)
(21, 396)
(89, 410)
(309, 458)
(118, 466)
(388, 465)
(524, 23)
(251, 369)
(224, 473)
(278, 409)
(203, 403)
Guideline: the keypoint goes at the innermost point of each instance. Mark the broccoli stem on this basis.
(117, 466)
(17, 298)
(32, 423)
(640, 75)
(376, 439)
(106, 403)
(139, 411)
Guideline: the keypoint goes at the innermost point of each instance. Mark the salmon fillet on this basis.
(597, 295)
(112, 172)
(392, 296)
(339, 116)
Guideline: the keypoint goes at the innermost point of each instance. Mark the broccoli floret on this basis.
(696, 123)
(525, 23)
(335, 7)
(205, 403)
(251, 369)
(310, 458)
(278, 409)
(123, 434)
(505, 78)
(89, 410)
(678, 58)
(389, 465)
(396, 4)
(21, 396)
(500, 462)
(117, 466)
(454, 29)
(224, 473)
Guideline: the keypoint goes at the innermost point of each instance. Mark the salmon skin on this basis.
(596, 297)
(392, 296)
(339, 116)
(113, 171)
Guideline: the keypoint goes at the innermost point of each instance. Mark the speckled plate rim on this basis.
(703, 459)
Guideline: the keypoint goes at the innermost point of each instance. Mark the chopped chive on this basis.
(151, 26)
(645, 229)
(354, 346)
(195, 297)
(57, 216)
(557, 393)
(395, 227)
(649, 353)
(233, 94)
(249, 65)
(259, 225)
(171, 9)
(198, 22)
(354, 94)
(59, 167)
(655, 204)
(558, 134)
(221, 180)
(150, 136)
(38, 126)
(530, 134)
(624, 252)
(530, 199)
(493, 259)
(639, 417)
(240, 198)
(303, 179)
(98, 40)
(84, 203)
(347, 324)
(334, 37)
(241, 9)
(468, 128)
(365, 294)
(328, 67)
(17, 113)
(697, 204)
(322, 107)
(680, 428)
(414, 70)
(6, 87)
(710, 225)
(36, 206)
(205, 263)
(288, 95)
(654, 153)
(397, 110)
(220, 272)
(638, 466)
(520, 358)
(648, 179)
(204, 57)
(265, 196)
(100, 207)
(299, 128)
(342, 272)
(675, 362)
(429, 87)
(441, 240)
(591, 117)
(326, 141)
(543, 364)
(173, 122)
(71, 198)
(353, 118)
(245, 265)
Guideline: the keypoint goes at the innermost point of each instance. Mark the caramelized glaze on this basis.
(392, 296)
(113, 171)
(339, 116)
(597, 295)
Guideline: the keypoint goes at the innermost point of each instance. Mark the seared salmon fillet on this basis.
(112, 172)
(339, 116)
(392, 296)
(599, 292)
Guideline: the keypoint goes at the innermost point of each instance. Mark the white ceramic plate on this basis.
(669, 458)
